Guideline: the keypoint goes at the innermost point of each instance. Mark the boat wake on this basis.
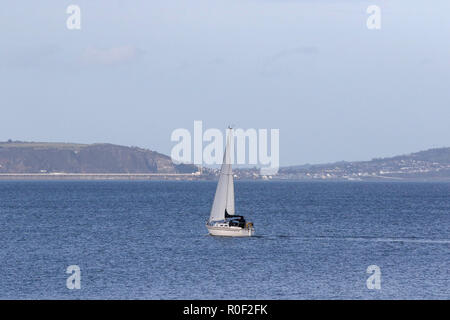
(368, 239)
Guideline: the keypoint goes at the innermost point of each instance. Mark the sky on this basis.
(137, 70)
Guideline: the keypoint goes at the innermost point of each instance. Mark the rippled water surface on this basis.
(147, 240)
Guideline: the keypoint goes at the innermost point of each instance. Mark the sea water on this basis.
(148, 240)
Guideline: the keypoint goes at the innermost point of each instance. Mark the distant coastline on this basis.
(187, 177)
(70, 161)
(99, 176)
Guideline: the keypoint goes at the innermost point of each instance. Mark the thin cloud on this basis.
(273, 64)
(30, 56)
(111, 56)
(292, 52)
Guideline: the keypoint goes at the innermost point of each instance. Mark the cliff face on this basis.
(23, 157)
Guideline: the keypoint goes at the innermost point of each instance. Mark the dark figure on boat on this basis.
(235, 220)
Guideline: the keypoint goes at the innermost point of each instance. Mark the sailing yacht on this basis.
(222, 220)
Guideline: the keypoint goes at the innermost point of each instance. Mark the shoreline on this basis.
(185, 177)
(100, 176)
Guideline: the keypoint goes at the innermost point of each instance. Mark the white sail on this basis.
(230, 194)
(224, 198)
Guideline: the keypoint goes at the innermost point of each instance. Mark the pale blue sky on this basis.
(138, 69)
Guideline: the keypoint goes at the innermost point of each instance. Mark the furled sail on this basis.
(224, 198)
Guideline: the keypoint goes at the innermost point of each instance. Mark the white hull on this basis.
(230, 231)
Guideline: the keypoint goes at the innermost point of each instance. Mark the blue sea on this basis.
(147, 240)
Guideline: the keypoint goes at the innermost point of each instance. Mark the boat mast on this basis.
(224, 197)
